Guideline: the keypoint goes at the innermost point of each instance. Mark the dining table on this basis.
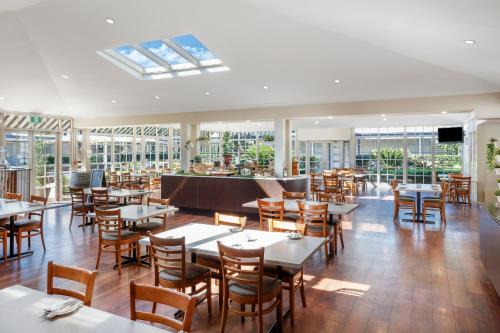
(122, 193)
(418, 189)
(12, 208)
(21, 311)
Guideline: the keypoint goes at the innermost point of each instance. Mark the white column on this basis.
(195, 134)
(281, 146)
(185, 153)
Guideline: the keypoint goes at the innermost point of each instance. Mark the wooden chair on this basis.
(315, 216)
(294, 195)
(3, 238)
(402, 201)
(292, 278)
(462, 189)
(436, 203)
(30, 226)
(348, 184)
(333, 185)
(100, 200)
(214, 262)
(10, 196)
(315, 185)
(113, 180)
(79, 205)
(336, 221)
(270, 210)
(112, 237)
(80, 275)
(172, 298)
(244, 283)
(172, 270)
(154, 225)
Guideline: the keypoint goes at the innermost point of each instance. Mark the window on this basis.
(159, 59)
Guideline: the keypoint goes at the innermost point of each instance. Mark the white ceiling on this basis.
(380, 50)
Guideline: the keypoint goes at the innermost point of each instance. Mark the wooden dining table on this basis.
(11, 208)
(21, 311)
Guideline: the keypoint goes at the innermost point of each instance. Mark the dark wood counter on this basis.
(225, 194)
(489, 241)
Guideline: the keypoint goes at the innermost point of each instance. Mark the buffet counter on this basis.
(489, 241)
(226, 194)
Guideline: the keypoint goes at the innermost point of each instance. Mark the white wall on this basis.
(323, 134)
(486, 180)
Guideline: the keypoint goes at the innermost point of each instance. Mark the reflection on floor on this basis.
(400, 277)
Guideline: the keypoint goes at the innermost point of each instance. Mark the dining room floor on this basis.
(391, 277)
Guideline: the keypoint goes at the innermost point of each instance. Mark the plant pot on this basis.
(498, 184)
(498, 158)
(497, 171)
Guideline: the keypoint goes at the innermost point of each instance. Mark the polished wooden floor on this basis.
(390, 277)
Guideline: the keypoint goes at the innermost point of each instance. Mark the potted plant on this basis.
(268, 139)
(203, 140)
(490, 155)
(494, 141)
(497, 194)
(189, 145)
(498, 183)
(197, 159)
(227, 148)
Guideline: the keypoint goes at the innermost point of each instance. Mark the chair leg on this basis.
(29, 239)
(279, 312)
(119, 259)
(138, 247)
(424, 212)
(414, 210)
(326, 252)
(224, 313)
(5, 247)
(341, 234)
(98, 257)
(261, 319)
(209, 296)
(302, 291)
(242, 308)
(220, 293)
(19, 243)
(71, 220)
(291, 300)
(43, 239)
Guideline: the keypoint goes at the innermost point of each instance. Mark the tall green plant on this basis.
(490, 156)
(227, 146)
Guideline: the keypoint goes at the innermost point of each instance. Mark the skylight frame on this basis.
(198, 67)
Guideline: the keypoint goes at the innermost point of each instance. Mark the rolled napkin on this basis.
(62, 308)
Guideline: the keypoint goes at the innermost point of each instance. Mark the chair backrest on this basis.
(170, 254)
(77, 196)
(327, 197)
(113, 179)
(283, 226)
(169, 297)
(100, 196)
(126, 177)
(332, 183)
(314, 214)
(394, 185)
(13, 196)
(294, 195)
(77, 274)
(271, 209)
(158, 201)
(453, 175)
(39, 200)
(462, 182)
(231, 220)
(242, 266)
(109, 223)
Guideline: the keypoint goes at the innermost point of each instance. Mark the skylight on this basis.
(157, 59)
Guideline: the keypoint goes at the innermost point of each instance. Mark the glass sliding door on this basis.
(45, 165)
(366, 151)
(419, 143)
(18, 147)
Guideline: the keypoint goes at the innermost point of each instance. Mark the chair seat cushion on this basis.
(126, 234)
(88, 205)
(269, 285)
(438, 199)
(25, 223)
(3, 231)
(406, 198)
(193, 271)
(316, 228)
(285, 271)
(148, 226)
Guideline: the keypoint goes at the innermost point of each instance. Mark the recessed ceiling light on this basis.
(444, 112)
(316, 122)
(207, 93)
(384, 119)
(469, 42)
(114, 101)
(382, 115)
(64, 76)
(248, 121)
(219, 122)
(330, 117)
(266, 87)
(157, 97)
(109, 20)
(2, 98)
(336, 81)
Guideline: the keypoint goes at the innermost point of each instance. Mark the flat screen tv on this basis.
(450, 135)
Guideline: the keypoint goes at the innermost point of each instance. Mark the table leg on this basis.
(419, 209)
(286, 312)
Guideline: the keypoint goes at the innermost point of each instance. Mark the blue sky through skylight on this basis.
(195, 48)
(162, 50)
(138, 58)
